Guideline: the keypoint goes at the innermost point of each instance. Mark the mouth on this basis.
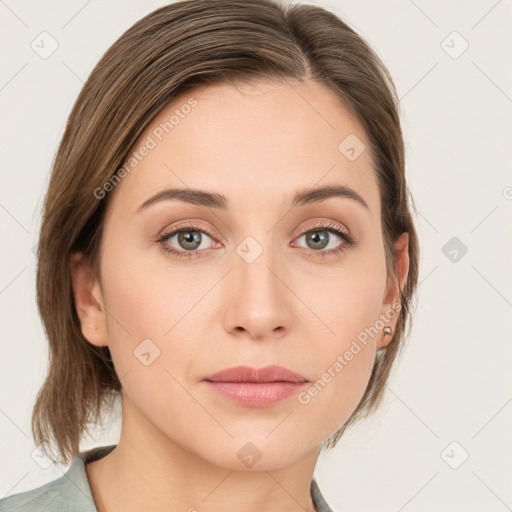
(251, 387)
(256, 375)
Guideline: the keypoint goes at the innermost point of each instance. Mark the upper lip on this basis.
(247, 374)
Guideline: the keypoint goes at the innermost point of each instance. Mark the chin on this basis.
(255, 453)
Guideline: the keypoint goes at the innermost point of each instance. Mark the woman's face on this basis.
(254, 279)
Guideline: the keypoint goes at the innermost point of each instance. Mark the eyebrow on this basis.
(215, 200)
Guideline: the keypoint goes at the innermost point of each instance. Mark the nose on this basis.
(259, 302)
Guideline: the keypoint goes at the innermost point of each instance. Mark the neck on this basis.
(148, 471)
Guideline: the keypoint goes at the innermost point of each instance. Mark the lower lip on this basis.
(256, 394)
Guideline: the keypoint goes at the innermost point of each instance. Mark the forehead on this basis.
(254, 143)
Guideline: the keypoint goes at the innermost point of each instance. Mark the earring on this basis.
(387, 330)
(93, 327)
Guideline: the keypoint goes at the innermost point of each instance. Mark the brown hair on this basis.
(165, 55)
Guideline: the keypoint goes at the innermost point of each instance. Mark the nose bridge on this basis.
(259, 302)
(255, 261)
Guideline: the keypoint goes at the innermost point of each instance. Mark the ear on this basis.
(89, 302)
(392, 298)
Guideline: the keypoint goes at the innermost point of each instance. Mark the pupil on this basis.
(321, 239)
(190, 237)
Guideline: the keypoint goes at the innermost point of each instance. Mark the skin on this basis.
(257, 145)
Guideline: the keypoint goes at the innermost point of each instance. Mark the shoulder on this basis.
(68, 493)
(49, 497)
(318, 500)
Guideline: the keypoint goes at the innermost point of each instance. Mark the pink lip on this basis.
(254, 387)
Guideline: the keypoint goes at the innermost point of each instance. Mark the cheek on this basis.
(145, 297)
(150, 339)
(344, 353)
(154, 315)
(339, 384)
(343, 363)
(347, 302)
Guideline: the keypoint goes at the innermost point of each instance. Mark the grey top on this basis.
(71, 491)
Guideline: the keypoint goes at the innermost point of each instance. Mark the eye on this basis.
(190, 241)
(325, 234)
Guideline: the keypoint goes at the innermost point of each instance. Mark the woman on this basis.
(227, 247)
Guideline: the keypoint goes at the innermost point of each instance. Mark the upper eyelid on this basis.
(191, 226)
(325, 224)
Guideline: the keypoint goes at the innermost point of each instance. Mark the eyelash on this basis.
(348, 240)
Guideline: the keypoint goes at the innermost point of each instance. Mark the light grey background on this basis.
(453, 384)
